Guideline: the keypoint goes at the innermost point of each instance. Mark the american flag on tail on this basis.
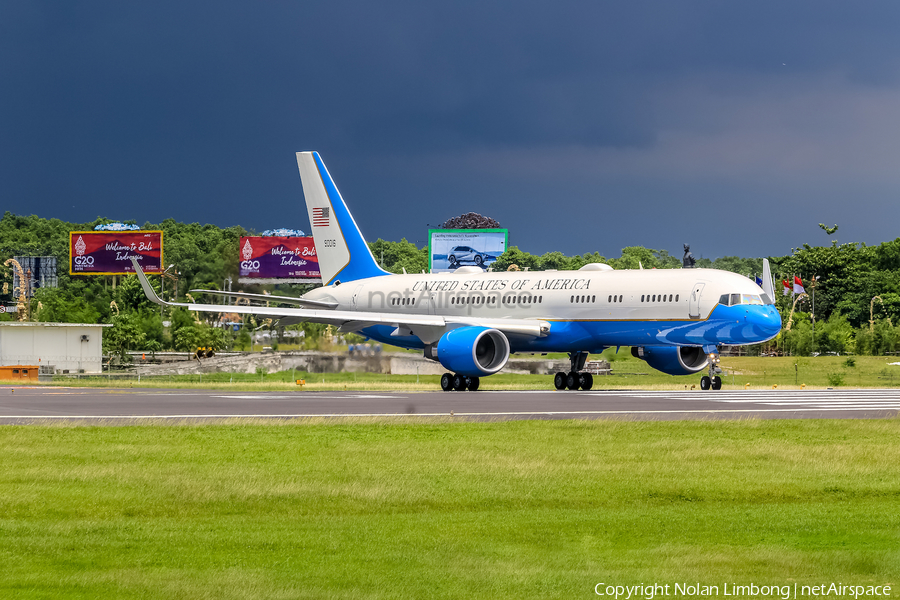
(320, 216)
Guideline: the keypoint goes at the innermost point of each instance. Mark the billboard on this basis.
(110, 252)
(273, 259)
(449, 249)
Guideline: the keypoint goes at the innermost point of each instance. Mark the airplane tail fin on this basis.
(342, 252)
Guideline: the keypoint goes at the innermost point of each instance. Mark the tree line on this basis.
(848, 276)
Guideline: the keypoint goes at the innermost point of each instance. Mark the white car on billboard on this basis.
(467, 254)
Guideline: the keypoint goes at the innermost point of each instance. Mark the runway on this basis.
(24, 405)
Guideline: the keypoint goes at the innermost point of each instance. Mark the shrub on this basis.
(835, 379)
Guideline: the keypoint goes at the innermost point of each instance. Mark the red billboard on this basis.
(273, 257)
(110, 252)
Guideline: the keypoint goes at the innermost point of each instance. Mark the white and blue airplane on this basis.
(470, 321)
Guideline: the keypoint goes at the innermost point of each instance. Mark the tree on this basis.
(514, 256)
(125, 334)
(242, 341)
(397, 256)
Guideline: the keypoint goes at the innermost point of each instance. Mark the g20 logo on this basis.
(252, 265)
(84, 261)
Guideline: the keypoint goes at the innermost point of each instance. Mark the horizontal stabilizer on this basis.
(271, 298)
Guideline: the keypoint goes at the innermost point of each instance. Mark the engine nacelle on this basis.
(673, 360)
(473, 351)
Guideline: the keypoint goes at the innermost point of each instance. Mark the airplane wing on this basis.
(428, 328)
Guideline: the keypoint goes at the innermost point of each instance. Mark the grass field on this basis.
(355, 509)
(628, 372)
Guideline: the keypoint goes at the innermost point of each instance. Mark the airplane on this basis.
(471, 320)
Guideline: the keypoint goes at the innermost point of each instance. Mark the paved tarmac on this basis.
(19, 404)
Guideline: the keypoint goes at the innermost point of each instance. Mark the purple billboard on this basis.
(279, 258)
(110, 252)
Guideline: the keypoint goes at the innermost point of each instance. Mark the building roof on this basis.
(43, 324)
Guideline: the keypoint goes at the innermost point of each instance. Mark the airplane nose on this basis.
(768, 321)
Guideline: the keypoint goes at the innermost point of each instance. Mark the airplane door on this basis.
(354, 301)
(694, 301)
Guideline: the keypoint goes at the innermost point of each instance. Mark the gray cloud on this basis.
(579, 125)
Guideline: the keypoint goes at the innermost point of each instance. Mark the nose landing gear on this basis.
(712, 380)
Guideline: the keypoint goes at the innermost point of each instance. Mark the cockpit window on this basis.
(736, 299)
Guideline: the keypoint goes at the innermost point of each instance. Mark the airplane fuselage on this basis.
(587, 309)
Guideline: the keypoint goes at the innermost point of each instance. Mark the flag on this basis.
(798, 286)
(787, 287)
(320, 216)
(759, 281)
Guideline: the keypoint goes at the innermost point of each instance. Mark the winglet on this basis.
(145, 283)
(768, 284)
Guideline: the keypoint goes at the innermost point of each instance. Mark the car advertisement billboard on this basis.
(278, 258)
(449, 249)
(110, 252)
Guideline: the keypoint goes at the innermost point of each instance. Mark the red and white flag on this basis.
(798, 286)
(787, 287)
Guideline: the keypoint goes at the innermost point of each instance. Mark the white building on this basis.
(72, 347)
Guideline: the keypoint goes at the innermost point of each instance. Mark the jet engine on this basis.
(473, 351)
(673, 360)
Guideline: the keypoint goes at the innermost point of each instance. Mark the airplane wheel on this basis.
(587, 381)
(573, 380)
(459, 383)
(447, 382)
(559, 382)
(717, 383)
(705, 382)
(473, 383)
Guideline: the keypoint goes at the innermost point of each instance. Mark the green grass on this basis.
(628, 372)
(528, 509)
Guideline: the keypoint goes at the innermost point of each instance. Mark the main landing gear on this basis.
(456, 382)
(574, 379)
(712, 380)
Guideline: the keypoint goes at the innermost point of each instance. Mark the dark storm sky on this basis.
(580, 126)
